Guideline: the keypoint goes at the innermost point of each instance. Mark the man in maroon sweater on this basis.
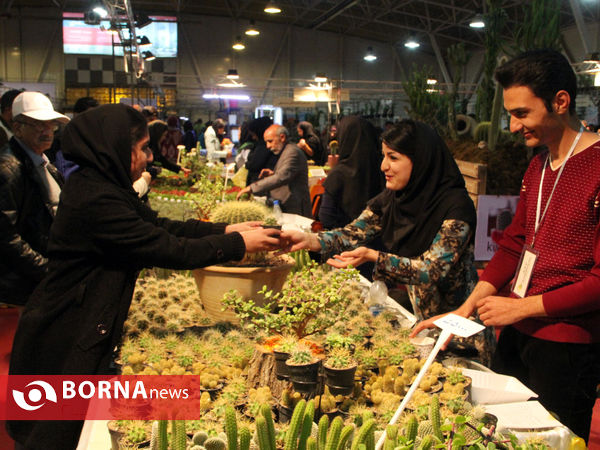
(551, 320)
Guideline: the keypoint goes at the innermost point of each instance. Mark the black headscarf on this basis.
(357, 176)
(435, 192)
(259, 126)
(101, 139)
(156, 129)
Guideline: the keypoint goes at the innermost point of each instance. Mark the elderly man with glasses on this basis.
(29, 191)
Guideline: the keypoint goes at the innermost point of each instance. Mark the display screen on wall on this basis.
(82, 39)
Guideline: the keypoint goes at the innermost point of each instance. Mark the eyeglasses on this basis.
(40, 125)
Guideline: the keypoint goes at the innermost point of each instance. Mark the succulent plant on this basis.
(239, 211)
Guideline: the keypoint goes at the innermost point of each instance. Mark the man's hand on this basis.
(265, 173)
(261, 239)
(244, 191)
(499, 311)
(353, 258)
(298, 240)
(186, 171)
(244, 226)
(146, 176)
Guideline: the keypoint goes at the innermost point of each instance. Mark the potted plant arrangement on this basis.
(247, 276)
(340, 368)
(303, 367)
(282, 351)
(333, 158)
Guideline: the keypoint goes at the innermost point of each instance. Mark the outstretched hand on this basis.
(353, 258)
(244, 191)
(297, 240)
(243, 226)
(261, 239)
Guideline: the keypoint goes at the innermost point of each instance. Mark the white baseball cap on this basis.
(37, 106)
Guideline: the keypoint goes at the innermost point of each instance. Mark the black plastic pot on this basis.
(281, 369)
(340, 381)
(285, 413)
(304, 377)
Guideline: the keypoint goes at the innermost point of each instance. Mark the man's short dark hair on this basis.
(219, 123)
(8, 98)
(545, 72)
(84, 103)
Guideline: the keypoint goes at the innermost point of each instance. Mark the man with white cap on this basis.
(29, 192)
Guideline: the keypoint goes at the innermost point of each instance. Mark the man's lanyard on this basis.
(538, 219)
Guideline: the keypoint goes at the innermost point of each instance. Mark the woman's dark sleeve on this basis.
(330, 215)
(164, 162)
(257, 159)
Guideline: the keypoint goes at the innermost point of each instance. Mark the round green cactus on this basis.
(239, 211)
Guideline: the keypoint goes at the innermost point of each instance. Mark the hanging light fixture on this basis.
(321, 78)
(252, 30)
(592, 58)
(100, 10)
(148, 56)
(232, 74)
(370, 56)
(272, 8)
(477, 22)
(412, 43)
(144, 42)
(238, 44)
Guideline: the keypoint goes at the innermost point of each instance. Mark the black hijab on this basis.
(156, 129)
(357, 176)
(101, 139)
(259, 126)
(435, 192)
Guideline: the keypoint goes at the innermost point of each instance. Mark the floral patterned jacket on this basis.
(437, 281)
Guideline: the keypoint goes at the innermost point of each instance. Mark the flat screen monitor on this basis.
(82, 39)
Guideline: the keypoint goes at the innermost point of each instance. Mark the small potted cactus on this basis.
(340, 368)
(303, 368)
(247, 276)
(282, 351)
(333, 158)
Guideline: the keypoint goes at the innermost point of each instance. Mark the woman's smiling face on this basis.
(396, 167)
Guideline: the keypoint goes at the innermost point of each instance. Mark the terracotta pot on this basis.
(215, 281)
(332, 160)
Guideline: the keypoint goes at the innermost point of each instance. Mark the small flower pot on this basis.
(285, 413)
(304, 377)
(332, 160)
(340, 381)
(281, 369)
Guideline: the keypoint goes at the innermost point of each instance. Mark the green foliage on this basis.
(540, 28)
(301, 355)
(425, 105)
(312, 300)
(458, 59)
(335, 340)
(340, 358)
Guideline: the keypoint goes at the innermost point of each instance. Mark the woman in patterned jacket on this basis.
(426, 222)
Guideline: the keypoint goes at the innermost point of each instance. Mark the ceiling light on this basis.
(272, 8)
(431, 81)
(477, 22)
(412, 43)
(592, 58)
(101, 11)
(252, 30)
(238, 44)
(370, 56)
(148, 56)
(226, 97)
(144, 42)
(232, 74)
(231, 84)
(321, 78)
(142, 20)
(91, 18)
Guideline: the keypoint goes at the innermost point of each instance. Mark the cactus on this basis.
(239, 211)
(434, 416)
(411, 429)
(178, 436)
(200, 438)
(391, 433)
(322, 433)
(294, 428)
(367, 430)
(267, 414)
(231, 428)
(197, 447)
(333, 436)
(426, 443)
(309, 416)
(425, 428)
(245, 438)
(311, 443)
(215, 443)
(263, 433)
(345, 436)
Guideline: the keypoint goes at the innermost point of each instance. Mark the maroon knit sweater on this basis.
(567, 271)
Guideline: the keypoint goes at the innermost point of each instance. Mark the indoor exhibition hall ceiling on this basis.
(389, 21)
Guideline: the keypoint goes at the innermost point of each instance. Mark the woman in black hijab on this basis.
(102, 236)
(260, 157)
(310, 143)
(356, 178)
(426, 222)
(158, 131)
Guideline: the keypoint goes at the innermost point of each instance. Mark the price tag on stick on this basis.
(450, 324)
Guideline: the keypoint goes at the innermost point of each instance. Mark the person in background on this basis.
(211, 139)
(310, 143)
(426, 222)
(29, 192)
(288, 182)
(260, 157)
(550, 338)
(172, 140)
(150, 113)
(158, 132)
(244, 146)
(189, 136)
(102, 237)
(6, 116)
(356, 178)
